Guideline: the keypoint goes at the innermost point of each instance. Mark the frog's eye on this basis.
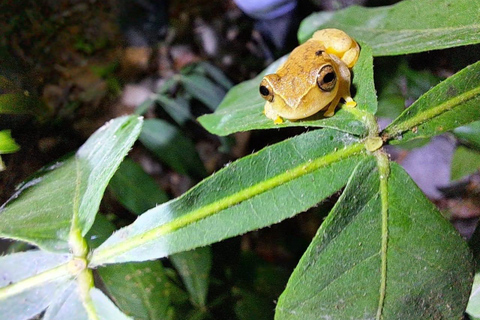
(266, 91)
(326, 78)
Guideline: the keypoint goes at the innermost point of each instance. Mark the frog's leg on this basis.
(340, 44)
(270, 113)
(331, 107)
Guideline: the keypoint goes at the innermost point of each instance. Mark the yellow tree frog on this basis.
(315, 77)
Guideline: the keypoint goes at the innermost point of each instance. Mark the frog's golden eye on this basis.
(266, 91)
(326, 78)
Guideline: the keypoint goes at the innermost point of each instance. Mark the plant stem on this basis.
(384, 171)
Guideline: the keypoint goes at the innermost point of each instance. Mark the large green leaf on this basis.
(450, 104)
(172, 147)
(140, 289)
(65, 200)
(406, 27)
(27, 283)
(384, 252)
(253, 192)
(242, 108)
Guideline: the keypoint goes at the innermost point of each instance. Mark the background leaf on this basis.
(194, 268)
(429, 267)
(21, 103)
(470, 134)
(135, 189)
(46, 208)
(464, 162)
(450, 104)
(173, 148)
(242, 108)
(15, 268)
(406, 27)
(7, 144)
(253, 192)
(140, 289)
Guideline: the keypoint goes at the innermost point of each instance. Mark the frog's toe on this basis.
(350, 103)
(278, 120)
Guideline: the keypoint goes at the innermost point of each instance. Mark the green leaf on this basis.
(135, 189)
(7, 144)
(28, 284)
(384, 252)
(406, 27)
(250, 305)
(450, 104)
(140, 289)
(366, 97)
(65, 200)
(469, 134)
(473, 307)
(194, 268)
(242, 108)
(465, 162)
(21, 103)
(177, 108)
(253, 192)
(173, 148)
(203, 89)
(69, 306)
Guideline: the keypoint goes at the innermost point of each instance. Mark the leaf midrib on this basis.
(224, 203)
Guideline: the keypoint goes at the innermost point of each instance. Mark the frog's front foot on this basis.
(350, 103)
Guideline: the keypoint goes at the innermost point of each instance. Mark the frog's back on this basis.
(299, 73)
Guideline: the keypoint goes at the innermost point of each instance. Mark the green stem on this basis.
(104, 254)
(85, 284)
(366, 118)
(384, 171)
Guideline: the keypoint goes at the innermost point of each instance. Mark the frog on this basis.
(315, 77)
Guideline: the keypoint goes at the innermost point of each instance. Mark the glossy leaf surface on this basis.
(253, 192)
(452, 103)
(384, 252)
(406, 27)
(66, 198)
